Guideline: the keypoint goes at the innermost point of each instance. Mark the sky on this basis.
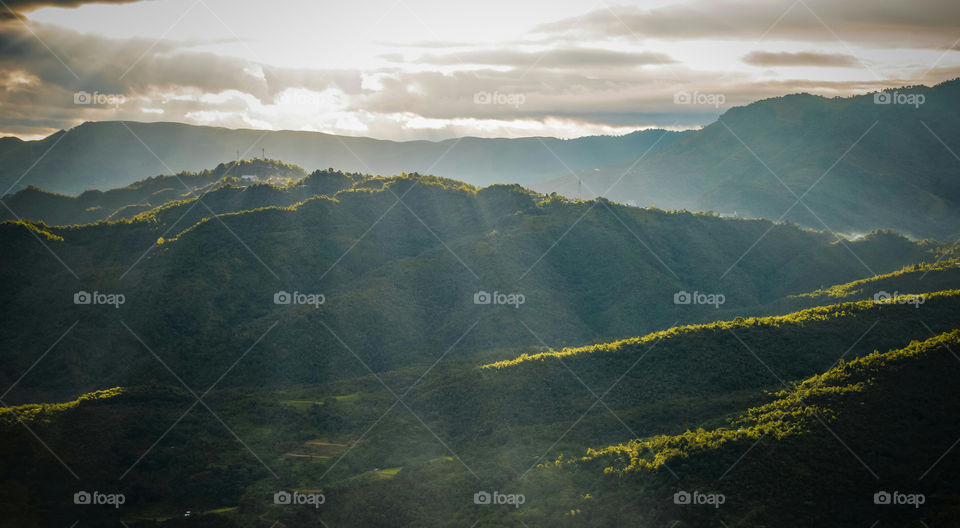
(422, 69)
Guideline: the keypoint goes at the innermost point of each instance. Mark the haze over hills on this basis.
(857, 165)
(106, 155)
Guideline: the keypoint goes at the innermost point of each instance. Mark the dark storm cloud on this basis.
(767, 58)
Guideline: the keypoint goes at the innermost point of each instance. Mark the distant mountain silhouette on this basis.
(109, 154)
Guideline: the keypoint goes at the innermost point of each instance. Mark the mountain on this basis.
(399, 278)
(857, 165)
(106, 155)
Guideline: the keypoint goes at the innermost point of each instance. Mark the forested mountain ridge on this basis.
(126, 202)
(857, 165)
(396, 275)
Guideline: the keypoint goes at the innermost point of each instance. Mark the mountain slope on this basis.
(825, 448)
(775, 458)
(105, 155)
(859, 166)
(892, 409)
(399, 280)
(697, 361)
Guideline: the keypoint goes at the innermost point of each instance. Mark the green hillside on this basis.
(398, 279)
(823, 449)
(520, 427)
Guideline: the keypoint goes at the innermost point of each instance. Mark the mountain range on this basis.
(109, 154)
(411, 349)
(842, 164)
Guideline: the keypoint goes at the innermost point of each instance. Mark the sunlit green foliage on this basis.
(821, 313)
(46, 411)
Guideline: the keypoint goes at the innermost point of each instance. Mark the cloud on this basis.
(192, 86)
(16, 8)
(620, 97)
(428, 44)
(42, 69)
(74, 61)
(917, 24)
(564, 91)
(804, 58)
(555, 58)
